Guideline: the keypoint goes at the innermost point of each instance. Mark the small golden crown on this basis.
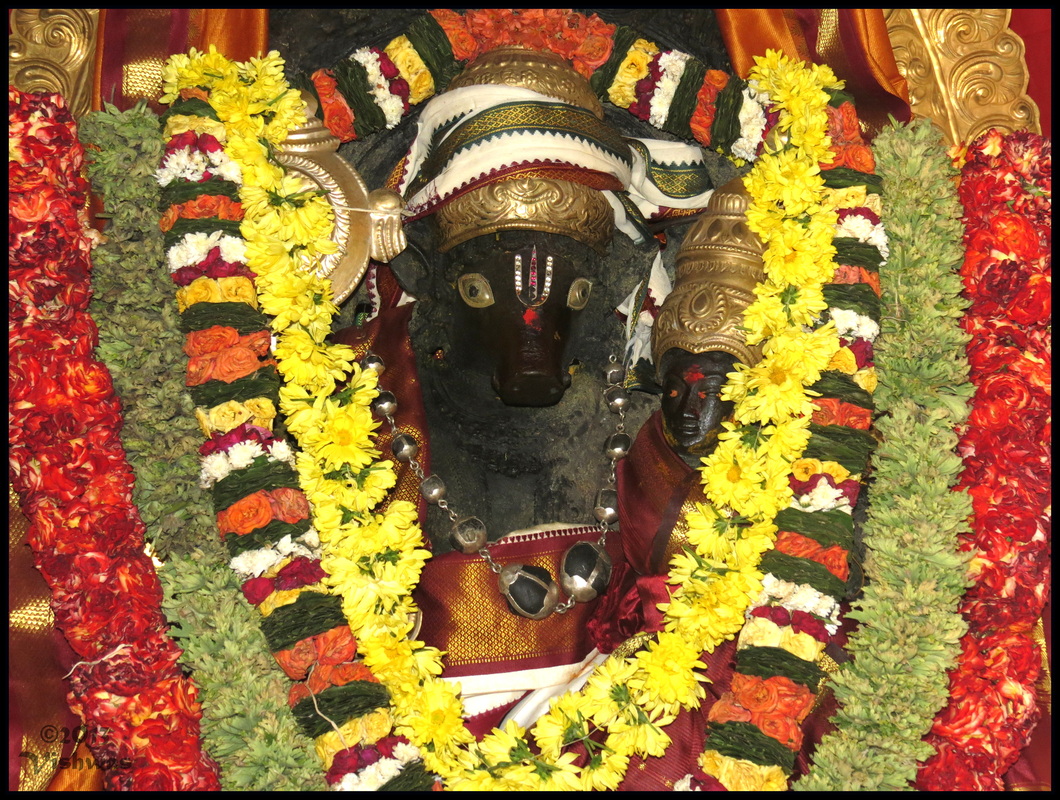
(526, 202)
(718, 267)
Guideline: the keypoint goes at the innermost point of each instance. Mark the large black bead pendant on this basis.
(585, 572)
(530, 591)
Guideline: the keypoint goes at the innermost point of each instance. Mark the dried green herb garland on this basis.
(247, 725)
(910, 626)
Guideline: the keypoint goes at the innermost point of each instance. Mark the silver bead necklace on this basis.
(530, 591)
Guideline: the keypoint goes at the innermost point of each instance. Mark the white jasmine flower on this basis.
(852, 325)
(310, 538)
(214, 467)
(229, 170)
(672, 64)
(406, 752)
(389, 103)
(233, 248)
(242, 454)
(253, 563)
(752, 126)
(281, 451)
(864, 230)
(823, 497)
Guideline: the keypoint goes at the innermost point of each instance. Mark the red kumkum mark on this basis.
(532, 319)
(692, 374)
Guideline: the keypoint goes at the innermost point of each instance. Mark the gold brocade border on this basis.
(965, 68)
(30, 626)
(53, 50)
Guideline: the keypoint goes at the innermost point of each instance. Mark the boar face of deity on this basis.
(520, 294)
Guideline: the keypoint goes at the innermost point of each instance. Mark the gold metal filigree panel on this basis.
(53, 50)
(966, 70)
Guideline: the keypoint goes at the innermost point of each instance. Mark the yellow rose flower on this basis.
(633, 68)
(759, 632)
(262, 410)
(866, 379)
(805, 468)
(844, 361)
(200, 290)
(228, 415)
(836, 470)
(412, 69)
(332, 742)
(800, 645)
(278, 599)
(739, 775)
(238, 289)
(181, 123)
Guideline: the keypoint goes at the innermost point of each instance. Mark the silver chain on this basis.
(433, 488)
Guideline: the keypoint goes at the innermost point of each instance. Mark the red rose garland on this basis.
(69, 468)
(1006, 189)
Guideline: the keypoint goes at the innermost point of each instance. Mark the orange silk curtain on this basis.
(853, 41)
(135, 42)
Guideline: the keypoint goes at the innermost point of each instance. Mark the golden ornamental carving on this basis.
(528, 203)
(542, 72)
(718, 267)
(966, 70)
(53, 50)
(366, 225)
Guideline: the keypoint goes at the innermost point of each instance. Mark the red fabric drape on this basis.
(1035, 27)
(134, 43)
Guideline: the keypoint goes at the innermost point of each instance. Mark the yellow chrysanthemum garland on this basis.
(374, 560)
(795, 216)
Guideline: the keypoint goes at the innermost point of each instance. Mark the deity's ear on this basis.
(412, 266)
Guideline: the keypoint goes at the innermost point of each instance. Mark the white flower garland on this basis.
(218, 466)
(866, 231)
(193, 248)
(852, 325)
(673, 64)
(389, 103)
(752, 124)
(254, 563)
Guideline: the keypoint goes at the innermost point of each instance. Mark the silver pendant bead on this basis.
(617, 445)
(614, 373)
(606, 510)
(385, 404)
(404, 447)
(529, 591)
(585, 571)
(617, 399)
(432, 488)
(468, 535)
(372, 361)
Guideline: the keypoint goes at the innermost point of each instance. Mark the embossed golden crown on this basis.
(718, 267)
(528, 202)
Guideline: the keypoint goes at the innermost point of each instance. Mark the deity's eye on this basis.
(578, 295)
(475, 290)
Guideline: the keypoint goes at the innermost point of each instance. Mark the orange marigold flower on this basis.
(460, 39)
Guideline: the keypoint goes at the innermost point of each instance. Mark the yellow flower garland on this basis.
(374, 560)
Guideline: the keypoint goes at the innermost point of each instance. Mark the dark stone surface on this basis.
(511, 467)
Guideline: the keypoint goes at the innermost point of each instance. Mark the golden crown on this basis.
(527, 202)
(718, 267)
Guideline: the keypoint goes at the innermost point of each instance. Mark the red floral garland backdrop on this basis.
(69, 468)
(1006, 190)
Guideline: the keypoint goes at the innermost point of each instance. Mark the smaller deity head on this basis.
(697, 338)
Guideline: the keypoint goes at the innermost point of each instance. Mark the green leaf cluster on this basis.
(247, 725)
(910, 625)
